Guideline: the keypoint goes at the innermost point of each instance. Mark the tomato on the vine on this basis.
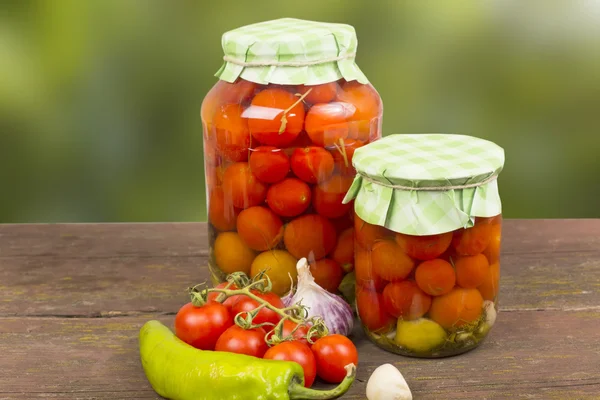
(201, 326)
(333, 353)
(298, 336)
(299, 353)
(243, 341)
(246, 304)
(212, 296)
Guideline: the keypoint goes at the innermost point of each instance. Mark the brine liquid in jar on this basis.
(427, 272)
(278, 158)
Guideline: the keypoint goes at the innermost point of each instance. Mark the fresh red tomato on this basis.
(299, 334)
(333, 353)
(201, 326)
(212, 296)
(246, 304)
(299, 353)
(243, 341)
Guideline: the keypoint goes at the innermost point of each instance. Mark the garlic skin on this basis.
(387, 383)
(334, 310)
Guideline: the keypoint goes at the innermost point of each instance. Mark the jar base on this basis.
(444, 352)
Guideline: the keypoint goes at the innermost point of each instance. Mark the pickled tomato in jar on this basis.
(427, 231)
(279, 140)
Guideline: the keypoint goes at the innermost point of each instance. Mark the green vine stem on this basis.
(262, 303)
(298, 313)
(316, 329)
(199, 298)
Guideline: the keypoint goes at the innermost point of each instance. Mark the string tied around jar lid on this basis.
(232, 60)
(430, 188)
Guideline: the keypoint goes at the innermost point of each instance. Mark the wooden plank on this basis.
(529, 354)
(102, 240)
(94, 270)
(189, 239)
(96, 287)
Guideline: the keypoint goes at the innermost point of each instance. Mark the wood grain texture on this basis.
(544, 354)
(115, 269)
(73, 297)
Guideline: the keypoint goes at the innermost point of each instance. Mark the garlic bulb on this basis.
(490, 312)
(336, 313)
(387, 383)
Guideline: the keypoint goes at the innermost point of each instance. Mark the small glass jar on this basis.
(280, 130)
(427, 264)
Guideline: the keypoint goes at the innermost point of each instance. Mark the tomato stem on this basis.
(262, 303)
(318, 330)
(342, 149)
(287, 110)
(221, 297)
(296, 313)
(298, 391)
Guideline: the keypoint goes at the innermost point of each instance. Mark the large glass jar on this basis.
(427, 242)
(279, 137)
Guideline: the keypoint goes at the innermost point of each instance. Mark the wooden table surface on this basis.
(73, 297)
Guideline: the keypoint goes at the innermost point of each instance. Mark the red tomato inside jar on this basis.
(280, 130)
(427, 235)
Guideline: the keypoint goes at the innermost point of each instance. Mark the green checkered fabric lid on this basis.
(291, 51)
(426, 184)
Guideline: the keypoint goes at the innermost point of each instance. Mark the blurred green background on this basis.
(100, 99)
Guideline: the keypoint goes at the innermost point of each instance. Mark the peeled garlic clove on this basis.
(490, 312)
(387, 383)
(464, 336)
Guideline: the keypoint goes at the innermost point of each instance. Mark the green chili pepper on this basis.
(179, 371)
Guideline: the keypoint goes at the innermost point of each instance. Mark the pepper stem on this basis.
(298, 391)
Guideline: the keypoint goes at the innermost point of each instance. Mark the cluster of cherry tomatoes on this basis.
(212, 327)
(278, 162)
(444, 277)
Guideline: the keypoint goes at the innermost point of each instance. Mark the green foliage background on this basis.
(100, 99)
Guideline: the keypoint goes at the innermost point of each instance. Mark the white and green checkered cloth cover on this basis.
(426, 161)
(293, 41)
